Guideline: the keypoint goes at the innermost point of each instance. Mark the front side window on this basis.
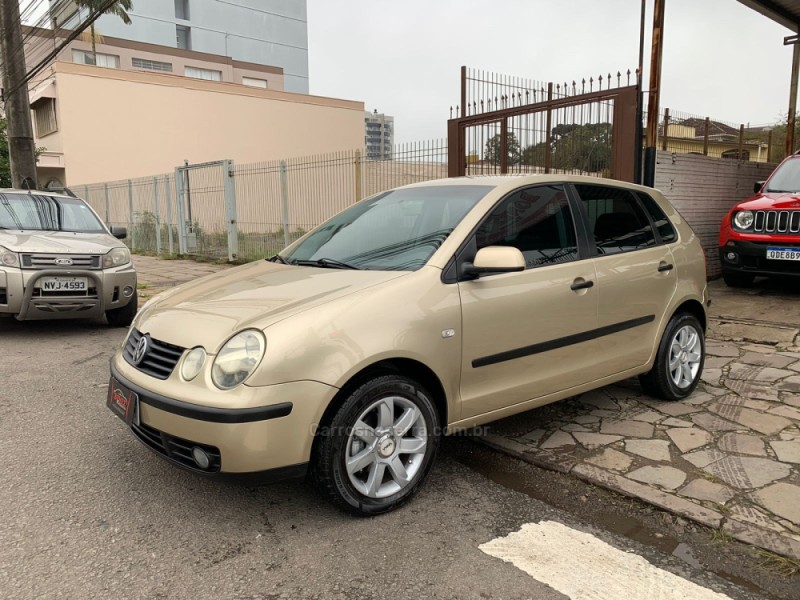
(34, 212)
(615, 218)
(537, 221)
(398, 230)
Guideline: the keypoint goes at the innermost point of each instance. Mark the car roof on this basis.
(516, 180)
(37, 192)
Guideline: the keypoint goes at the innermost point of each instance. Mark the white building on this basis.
(378, 135)
(263, 32)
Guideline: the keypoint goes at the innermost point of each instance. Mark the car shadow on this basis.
(10, 327)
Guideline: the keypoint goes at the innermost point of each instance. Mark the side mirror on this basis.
(495, 259)
(757, 186)
(119, 232)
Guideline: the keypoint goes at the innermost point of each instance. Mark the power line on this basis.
(82, 26)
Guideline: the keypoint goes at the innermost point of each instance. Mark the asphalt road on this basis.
(86, 511)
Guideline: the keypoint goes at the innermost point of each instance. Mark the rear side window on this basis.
(660, 220)
(616, 219)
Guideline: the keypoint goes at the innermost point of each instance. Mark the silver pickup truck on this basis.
(58, 260)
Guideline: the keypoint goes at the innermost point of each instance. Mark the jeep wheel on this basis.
(123, 317)
(738, 280)
(377, 449)
(679, 361)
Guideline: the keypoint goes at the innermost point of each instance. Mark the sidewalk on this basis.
(727, 457)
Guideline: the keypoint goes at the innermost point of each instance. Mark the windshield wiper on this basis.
(330, 263)
(770, 190)
(277, 259)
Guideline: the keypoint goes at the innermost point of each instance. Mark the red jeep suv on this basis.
(761, 235)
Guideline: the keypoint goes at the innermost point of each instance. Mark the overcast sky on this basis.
(721, 59)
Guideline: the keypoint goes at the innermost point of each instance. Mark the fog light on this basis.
(732, 257)
(201, 458)
(127, 291)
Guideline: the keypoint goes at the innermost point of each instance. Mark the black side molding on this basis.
(561, 342)
(205, 413)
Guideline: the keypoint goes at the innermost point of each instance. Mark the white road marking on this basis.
(583, 567)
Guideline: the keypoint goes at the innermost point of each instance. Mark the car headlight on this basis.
(238, 358)
(192, 363)
(743, 219)
(116, 258)
(8, 258)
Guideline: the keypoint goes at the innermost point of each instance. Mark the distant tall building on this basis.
(263, 32)
(378, 135)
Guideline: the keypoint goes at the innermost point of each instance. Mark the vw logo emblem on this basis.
(63, 262)
(141, 351)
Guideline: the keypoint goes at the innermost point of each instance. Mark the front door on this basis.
(522, 332)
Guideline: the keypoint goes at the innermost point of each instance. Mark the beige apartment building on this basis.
(143, 109)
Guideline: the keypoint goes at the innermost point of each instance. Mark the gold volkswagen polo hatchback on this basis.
(424, 309)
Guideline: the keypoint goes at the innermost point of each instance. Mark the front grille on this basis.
(160, 358)
(92, 262)
(177, 449)
(777, 221)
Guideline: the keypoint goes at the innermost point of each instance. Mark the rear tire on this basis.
(123, 317)
(738, 280)
(377, 449)
(679, 360)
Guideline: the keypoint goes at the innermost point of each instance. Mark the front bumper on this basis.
(752, 259)
(20, 296)
(274, 437)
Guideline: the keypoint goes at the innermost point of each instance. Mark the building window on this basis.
(203, 74)
(103, 60)
(183, 37)
(151, 65)
(253, 82)
(182, 9)
(44, 114)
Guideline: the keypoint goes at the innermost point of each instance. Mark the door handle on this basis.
(664, 267)
(580, 284)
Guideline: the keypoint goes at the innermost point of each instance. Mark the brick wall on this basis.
(704, 189)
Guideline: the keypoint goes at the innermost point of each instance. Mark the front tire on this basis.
(123, 317)
(378, 447)
(679, 361)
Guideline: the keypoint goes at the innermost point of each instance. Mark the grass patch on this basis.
(777, 564)
(718, 536)
(142, 286)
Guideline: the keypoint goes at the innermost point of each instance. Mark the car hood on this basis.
(775, 201)
(206, 312)
(57, 242)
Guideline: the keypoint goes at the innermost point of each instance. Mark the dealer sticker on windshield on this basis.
(783, 253)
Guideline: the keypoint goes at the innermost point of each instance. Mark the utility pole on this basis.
(21, 147)
(654, 94)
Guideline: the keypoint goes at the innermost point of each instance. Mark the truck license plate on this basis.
(64, 284)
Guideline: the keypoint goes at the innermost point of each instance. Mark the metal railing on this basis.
(226, 211)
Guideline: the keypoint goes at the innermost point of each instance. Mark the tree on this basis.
(493, 151)
(585, 148)
(119, 8)
(5, 159)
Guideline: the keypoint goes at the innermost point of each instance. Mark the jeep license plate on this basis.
(64, 284)
(783, 253)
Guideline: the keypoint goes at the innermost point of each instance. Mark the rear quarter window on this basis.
(660, 220)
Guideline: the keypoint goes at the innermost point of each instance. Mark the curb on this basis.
(738, 530)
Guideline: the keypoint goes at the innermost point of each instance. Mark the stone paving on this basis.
(727, 457)
(156, 275)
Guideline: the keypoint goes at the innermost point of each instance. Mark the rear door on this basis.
(636, 274)
(522, 332)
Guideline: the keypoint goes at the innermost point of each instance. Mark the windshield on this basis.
(47, 213)
(398, 230)
(786, 178)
